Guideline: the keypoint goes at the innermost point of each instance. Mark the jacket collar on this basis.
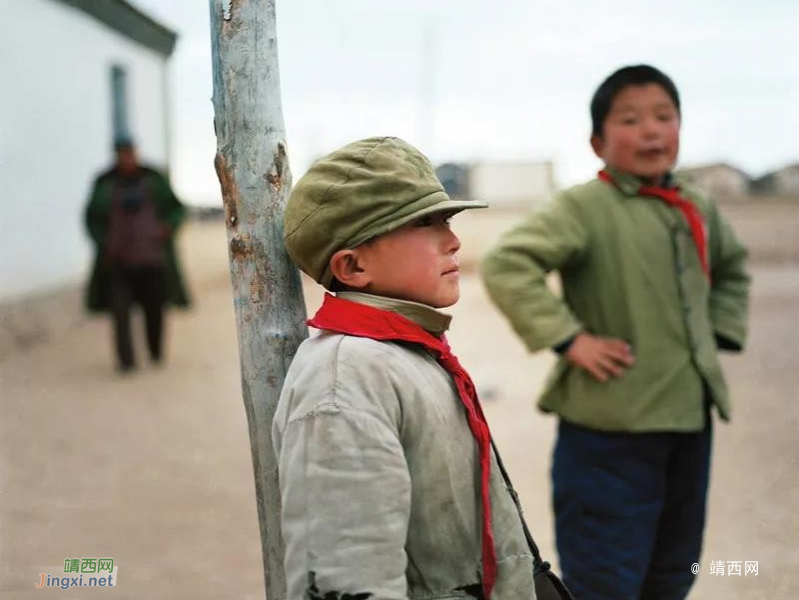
(426, 317)
(629, 184)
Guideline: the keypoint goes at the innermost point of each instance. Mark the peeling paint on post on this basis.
(254, 176)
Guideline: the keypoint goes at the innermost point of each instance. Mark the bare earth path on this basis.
(154, 469)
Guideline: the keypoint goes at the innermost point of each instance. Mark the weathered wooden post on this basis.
(253, 171)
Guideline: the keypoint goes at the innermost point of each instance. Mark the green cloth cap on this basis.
(365, 189)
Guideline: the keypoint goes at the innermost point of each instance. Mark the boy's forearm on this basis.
(517, 285)
(729, 307)
(515, 272)
(729, 319)
(729, 295)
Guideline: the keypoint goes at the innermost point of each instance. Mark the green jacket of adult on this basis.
(629, 269)
(97, 215)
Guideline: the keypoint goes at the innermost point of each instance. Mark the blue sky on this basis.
(508, 80)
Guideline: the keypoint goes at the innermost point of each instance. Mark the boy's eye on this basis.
(665, 117)
(432, 220)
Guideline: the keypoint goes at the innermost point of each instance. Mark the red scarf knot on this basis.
(692, 214)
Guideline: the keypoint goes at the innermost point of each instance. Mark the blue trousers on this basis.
(629, 511)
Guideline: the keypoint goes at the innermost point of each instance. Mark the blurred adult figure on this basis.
(132, 217)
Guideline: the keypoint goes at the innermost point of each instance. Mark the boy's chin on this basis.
(650, 177)
(450, 300)
(446, 304)
(653, 175)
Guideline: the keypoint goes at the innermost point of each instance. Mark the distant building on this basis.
(783, 182)
(455, 179)
(721, 181)
(519, 184)
(76, 73)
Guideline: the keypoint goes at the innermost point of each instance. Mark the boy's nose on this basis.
(453, 242)
(649, 128)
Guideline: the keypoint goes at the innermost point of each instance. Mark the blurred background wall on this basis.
(76, 75)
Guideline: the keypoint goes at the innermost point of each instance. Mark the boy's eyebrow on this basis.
(625, 108)
(623, 105)
(633, 108)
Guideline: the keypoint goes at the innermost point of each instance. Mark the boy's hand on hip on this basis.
(602, 357)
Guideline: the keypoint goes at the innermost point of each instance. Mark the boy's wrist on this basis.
(726, 343)
(563, 347)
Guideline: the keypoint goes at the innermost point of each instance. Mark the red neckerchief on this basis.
(352, 318)
(689, 210)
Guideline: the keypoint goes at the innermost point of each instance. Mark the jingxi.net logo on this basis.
(81, 572)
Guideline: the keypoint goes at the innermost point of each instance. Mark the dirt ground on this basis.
(154, 469)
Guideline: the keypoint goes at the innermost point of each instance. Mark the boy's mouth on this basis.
(651, 153)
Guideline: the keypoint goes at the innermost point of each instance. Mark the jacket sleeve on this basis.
(730, 282)
(514, 272)
(172, 211)
(96, 214)
(345, 497)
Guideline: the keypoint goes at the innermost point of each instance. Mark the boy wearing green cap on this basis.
(389, 488)
(654, 284)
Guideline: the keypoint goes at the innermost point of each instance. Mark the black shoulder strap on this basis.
(548, 586)
(538, 563)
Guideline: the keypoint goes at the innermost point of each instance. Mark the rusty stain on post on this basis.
(256, 289)
(240, 249)
(230, 193)
(275, 181)
(275, 177)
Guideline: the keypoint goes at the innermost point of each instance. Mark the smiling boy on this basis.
(654, 284)
(389, 487)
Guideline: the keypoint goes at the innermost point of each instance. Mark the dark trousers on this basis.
(146, 287)
(629, 511)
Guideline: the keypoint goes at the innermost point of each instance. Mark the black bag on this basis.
(548, 586)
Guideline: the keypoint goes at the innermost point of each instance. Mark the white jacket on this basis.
(379, 475)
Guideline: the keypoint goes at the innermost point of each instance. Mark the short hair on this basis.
(624, 77)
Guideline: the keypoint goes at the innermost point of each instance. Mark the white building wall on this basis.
(518, 184)
(788, 181)
(55, 135)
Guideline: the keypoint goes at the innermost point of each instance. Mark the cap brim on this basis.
(447, 206)
(453, 206)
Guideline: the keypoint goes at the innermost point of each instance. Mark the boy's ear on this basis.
(597, 145)
(345, 267)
